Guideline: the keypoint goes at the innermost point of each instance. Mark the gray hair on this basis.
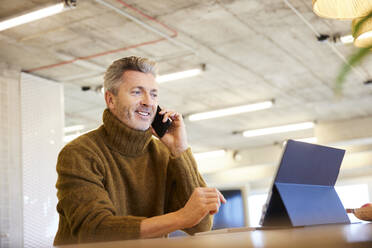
(114, 73)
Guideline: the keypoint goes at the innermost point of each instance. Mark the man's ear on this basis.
(110, 100)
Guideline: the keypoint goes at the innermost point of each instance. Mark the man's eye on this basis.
(136, 92)
(154, 95)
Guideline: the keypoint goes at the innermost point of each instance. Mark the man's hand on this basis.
(175, 137)
(362, 213)
(203, 201)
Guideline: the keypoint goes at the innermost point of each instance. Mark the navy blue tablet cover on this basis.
(303, 190)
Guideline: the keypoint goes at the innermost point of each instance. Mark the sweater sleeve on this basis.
(84, 203)
(183, 178)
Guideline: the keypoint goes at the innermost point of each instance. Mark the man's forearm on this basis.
(161, 225)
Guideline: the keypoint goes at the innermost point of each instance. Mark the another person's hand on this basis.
(203, 201)
(175, 138)
(362, 213)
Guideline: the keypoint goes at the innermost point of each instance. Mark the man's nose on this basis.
(147, 100)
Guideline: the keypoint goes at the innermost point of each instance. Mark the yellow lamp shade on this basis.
(342, 9)
(363, 36)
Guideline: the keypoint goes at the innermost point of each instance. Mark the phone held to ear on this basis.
(158, 125)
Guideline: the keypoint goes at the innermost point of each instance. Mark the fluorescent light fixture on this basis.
(211, 154)
(231, 111)
(32, 16)
(365, 35)
(347, 39)
(178, 75)
(278, 129)
(74, 128)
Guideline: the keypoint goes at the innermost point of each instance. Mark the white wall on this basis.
(42, 132)
(11, 225)
(30, 138)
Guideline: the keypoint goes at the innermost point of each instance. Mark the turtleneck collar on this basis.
(124, 139)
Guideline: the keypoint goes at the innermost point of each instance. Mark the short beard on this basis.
(123, 115)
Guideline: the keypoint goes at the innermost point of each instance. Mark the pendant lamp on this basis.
(342, 9)
(363, 37)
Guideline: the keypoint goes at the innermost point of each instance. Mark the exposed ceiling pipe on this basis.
(145, 25)
(83, 63)
(165, 36)
(361, 74)
(94, 55)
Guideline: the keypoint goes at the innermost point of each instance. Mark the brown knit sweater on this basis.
(112, 178)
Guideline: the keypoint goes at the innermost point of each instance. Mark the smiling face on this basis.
(136, 101)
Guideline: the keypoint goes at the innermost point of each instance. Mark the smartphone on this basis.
(158, 125)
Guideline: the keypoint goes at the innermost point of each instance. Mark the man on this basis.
(118, 182)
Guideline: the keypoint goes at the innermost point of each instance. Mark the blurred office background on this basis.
(270, 65)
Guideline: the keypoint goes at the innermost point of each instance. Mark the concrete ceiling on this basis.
(253, 50)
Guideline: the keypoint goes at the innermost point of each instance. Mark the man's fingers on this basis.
(173, 116)
(213, 200)
(213, 192)
(350, 210)
(213, 208)
(222, 198)
(211, 195)
(170, 114)
(166, 116)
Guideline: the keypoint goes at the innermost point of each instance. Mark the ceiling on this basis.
(253, 50)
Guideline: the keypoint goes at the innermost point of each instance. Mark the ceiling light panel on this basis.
(32, 16)
(278, 129)
(231, 111)
(178, 75)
